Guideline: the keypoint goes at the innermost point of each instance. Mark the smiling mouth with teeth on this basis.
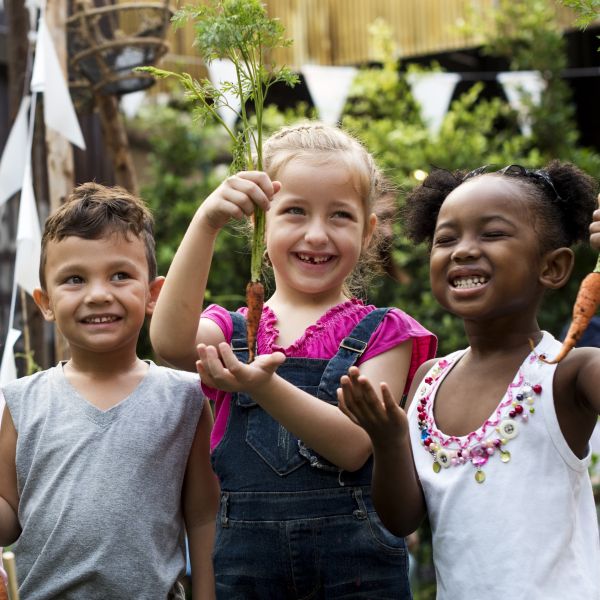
(469, 282)
(314, 259)
(105, 319)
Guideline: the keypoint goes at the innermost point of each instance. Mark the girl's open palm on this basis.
(382, 418)
(237, 196)
(221, 369)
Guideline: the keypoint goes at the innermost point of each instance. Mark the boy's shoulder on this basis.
(37, 378)
(176, 374)
(171, 376)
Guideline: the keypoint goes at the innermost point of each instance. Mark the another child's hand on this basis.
(237, 196)
(382, 418)
(595, 229)
(221, 369)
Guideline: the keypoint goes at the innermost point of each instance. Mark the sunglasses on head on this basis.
(519, 171)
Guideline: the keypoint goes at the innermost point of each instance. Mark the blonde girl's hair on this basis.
(320, 144)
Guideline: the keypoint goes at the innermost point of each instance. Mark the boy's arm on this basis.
(397, 493)
(200, 505)
(320, 425)
(9, 496)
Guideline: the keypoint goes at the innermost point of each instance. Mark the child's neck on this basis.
(294, 317)
(502, 338)
(104, 379)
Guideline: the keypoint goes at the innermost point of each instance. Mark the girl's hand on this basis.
(383, 420)
(237, 196)
(222, 370)
(595, 229)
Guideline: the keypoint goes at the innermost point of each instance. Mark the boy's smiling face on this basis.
(98, 291)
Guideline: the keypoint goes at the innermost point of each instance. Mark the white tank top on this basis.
(510, 505)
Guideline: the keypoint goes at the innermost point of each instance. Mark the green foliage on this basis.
(242, 32)
(588, 10)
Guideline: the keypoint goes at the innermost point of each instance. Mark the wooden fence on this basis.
(336, 32)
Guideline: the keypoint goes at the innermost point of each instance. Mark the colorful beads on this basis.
(477, 447)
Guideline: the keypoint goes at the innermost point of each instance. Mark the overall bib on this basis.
(292, 525)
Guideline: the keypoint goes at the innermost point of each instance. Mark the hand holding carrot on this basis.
(588, 297)
(595, 228)
(237, 197)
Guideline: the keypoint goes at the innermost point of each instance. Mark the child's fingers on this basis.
(360, 396)
(257, 185)
(230, 360)
(344, 407)
(595, 230)
(269, 362)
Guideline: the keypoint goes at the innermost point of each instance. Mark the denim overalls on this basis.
(292, 525)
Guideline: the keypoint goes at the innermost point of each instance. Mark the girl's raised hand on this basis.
(237, 196)
(382, 418)
(221, 369)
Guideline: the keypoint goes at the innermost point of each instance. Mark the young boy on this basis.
(105, 457)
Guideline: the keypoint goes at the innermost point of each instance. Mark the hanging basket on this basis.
(107, 42)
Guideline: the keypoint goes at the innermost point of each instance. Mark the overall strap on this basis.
(351, 348)
(239, 341)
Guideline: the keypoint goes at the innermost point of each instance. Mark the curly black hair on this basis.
(564, 199)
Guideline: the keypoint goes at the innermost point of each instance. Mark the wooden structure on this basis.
(336, 32)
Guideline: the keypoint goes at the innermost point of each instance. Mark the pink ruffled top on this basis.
(322, 340)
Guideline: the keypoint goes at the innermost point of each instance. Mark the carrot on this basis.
(255, 297)
(3, 591)
(586, 303)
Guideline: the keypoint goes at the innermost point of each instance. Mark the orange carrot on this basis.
(3, 591)
(255, 297)
(586, 303)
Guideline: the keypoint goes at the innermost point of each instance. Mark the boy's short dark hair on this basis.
(91, 211)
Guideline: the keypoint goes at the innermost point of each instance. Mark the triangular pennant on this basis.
(29, 237)
(433, 92)
(131, 103)
(521, 85)
(8, 368)
(47, 77)
(14, 156)
(328, 87)
(220, 71)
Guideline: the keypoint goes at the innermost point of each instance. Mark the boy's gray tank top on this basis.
(100, 491)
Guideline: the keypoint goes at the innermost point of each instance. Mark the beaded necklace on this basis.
(491, 438)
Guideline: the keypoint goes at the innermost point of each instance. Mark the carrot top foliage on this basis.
(242, 32)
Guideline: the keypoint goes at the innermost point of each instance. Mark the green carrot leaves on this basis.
(242, 32)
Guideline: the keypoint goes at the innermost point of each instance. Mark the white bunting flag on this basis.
(47, 77)
(131, 103)
(8, 368)
(220, 71)
(329, 87)
(433, 92)
(519, 86)
(14, 156)
(29, 238)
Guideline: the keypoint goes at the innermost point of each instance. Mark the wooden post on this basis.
(59, 153)
(17, 28)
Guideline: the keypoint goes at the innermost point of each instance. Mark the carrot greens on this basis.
(240, 31)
